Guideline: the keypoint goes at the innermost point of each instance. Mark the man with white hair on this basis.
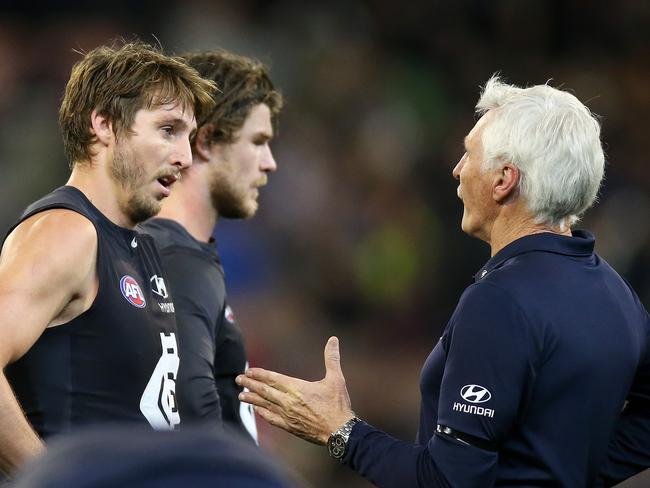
(526, 384)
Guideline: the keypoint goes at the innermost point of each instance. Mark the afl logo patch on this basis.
(132, 291)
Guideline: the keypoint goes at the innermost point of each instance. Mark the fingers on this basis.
(332, 358)
(269, 411)
(256, 400)
(272, 418)
(271, 378)
(261, 390)
(307, 409)
(278, 418)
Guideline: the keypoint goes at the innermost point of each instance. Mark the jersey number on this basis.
(158, 402)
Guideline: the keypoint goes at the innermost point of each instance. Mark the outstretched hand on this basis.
(310, 410)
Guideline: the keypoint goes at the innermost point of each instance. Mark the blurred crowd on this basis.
(358, 233)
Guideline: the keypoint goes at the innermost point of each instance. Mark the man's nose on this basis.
(184, 155)
(268, 163)
(458, 168)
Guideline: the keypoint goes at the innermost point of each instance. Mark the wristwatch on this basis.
(337, 444)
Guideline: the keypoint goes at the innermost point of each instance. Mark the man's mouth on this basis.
(259, 184)
(256, 189)
(167, 180)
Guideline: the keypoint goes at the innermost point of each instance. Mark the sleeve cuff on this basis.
(359, 431)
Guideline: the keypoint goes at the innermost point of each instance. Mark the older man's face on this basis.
(475, 185)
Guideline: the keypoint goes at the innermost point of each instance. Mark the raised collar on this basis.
(581, 243)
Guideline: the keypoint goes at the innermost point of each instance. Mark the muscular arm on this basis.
(47, 277)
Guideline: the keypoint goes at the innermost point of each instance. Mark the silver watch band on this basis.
(338, 440)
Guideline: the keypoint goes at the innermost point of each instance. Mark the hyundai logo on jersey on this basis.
(132, 291)
(158, 286)
(475, 394)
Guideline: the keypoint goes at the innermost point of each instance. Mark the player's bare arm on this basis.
(47, 278)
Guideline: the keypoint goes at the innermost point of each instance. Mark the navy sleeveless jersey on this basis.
(116, 362)
(211, 344)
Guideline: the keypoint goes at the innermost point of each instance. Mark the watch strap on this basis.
(338, 441)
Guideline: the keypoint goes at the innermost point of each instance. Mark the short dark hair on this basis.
(242, 83)
(119, 80)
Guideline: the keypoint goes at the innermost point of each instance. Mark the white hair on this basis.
(554, 141)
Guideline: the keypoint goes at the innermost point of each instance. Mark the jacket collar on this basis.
(581, 243)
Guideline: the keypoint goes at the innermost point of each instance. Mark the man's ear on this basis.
(102, 127)
(203, 143)
(506, 183)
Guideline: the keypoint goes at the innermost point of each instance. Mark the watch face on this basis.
(336, 446)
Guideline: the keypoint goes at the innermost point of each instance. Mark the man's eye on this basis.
(168, 129)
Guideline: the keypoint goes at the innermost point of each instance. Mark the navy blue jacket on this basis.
(526, 384)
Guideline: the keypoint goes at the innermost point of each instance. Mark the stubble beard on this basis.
(129, 174)
(229, 201)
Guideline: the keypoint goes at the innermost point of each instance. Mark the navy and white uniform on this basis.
(116, 362)
(211, 344)
(526, 384)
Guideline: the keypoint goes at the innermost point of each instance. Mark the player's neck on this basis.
(94, 181)
(190, 205)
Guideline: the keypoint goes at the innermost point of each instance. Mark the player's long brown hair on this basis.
(242, 83)
(119, 80)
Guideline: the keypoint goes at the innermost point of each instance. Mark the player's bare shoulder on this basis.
(64, 235)
(51, 258)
